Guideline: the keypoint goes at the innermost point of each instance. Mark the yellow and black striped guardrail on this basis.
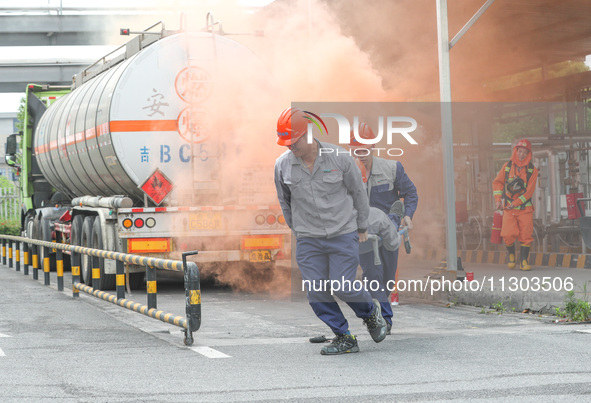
(191, 323)
(564, 260)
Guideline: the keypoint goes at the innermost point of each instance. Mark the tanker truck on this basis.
(141, 154)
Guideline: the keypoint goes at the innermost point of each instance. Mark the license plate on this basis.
(205, 221)
(260, 256)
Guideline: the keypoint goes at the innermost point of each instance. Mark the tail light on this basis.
(271, 219)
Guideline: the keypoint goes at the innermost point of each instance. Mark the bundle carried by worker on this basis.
(382, 232)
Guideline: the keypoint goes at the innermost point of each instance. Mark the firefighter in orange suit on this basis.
(513, 189)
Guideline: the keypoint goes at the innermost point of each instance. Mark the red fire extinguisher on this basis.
(495, 234)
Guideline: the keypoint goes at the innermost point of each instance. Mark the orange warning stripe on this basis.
(143, 125)
(104, 128)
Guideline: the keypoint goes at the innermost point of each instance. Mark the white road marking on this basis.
(4, 335)
(2, 353)
(583, 331)
(209, 352)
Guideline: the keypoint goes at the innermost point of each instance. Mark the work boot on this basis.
(524, 256)
(376, 324)
(388, 328)
(341, 344)
(511, 249)
(398, 209)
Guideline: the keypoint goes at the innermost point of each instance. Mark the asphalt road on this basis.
(254, 347)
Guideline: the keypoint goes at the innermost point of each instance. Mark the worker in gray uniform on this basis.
(324, 202)
(373, 256)
(389, 189)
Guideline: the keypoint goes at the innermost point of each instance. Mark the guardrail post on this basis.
(59, 264)
(35, 262)
(96, 272)
(151, 286)
(26, 258)
(120, 279)
(192, 297)
(17, 253)
(10, 254)
(75, 273)
(46, 265)
(3, 252)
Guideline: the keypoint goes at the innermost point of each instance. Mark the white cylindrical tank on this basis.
(152, 111)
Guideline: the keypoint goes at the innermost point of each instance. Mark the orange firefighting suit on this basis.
(518, 222)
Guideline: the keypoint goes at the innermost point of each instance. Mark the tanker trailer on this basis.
(134, 158)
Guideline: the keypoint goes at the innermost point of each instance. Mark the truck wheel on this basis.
(29, 227)
(75, 238)
(44, 234)
(107, 280)
(28, 233)
(33, 235)
(76, 231)
(85, 260)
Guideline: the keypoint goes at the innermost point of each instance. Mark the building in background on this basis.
(7, 127)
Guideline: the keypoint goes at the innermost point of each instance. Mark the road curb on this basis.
(566, 260)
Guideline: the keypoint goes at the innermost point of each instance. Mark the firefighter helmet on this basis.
(524, 143)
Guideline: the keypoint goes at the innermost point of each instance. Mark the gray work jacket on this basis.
(328, 202)
(381, 225)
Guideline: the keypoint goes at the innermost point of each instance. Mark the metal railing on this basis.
(190, 323)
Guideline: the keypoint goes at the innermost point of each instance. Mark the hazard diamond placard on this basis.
(157, 186)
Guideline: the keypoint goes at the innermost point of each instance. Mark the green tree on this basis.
(9, 207)
(20, 114)
(561, 69)
(523, 120)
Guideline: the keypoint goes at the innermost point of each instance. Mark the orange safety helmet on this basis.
(365, 132)
(524, 143)
(291, 126)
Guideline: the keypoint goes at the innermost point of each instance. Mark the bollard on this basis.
(151, 287)
(26, 259)
(46, 265)
(10, 254)
(120, 279)
(75, 273)
(192, 297)
(3, 252)
(96, 272)
(35, 262)
(59, 264)
(17, 253)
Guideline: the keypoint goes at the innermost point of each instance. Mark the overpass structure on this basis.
(92, 25)
(58, 30)
(34, 31)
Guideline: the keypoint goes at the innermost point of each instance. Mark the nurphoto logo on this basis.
(395, 125)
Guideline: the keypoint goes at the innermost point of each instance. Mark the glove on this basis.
(407, 221)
